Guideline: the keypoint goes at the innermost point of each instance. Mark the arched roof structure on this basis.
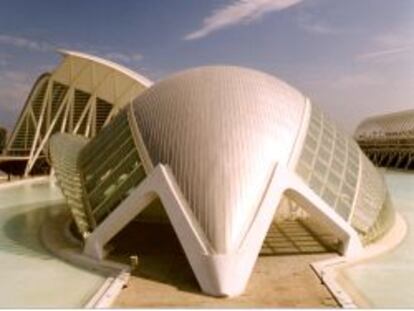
(79, 96)
(398, 124)
(220, 146)
(388, 140)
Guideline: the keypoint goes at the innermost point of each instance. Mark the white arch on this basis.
(52, 104)
(218, 274)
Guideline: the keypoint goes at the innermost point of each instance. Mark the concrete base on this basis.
(281, 276)
(329, 271)
(55, 235)
(276, 282)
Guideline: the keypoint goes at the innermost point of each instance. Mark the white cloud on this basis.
(383, 53)
(317, 27)
(4, 59)
(314, 25)
(123, 57)
(342, 81)
(388, 47)
(357, 80)
(392, 39)
(41, 46)
(238, 12)
(26, 43)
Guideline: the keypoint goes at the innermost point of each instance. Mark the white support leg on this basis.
(223, 274)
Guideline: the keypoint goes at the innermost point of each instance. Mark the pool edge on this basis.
(331, 271)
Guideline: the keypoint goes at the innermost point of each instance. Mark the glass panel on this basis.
(325, 155)
(307, 156)
(333, 181)
(337, 166)
(343, 208)
(332, 153)
(311, 143)
(329, 196)
(303, 170)
(320, 169)
(315, 184)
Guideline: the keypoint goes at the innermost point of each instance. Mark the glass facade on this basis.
(329, 163)
(64, 152)
(97, 175)
(24, 134)
(373, 213)
(111, 167)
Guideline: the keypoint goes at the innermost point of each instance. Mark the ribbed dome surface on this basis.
(222, 130)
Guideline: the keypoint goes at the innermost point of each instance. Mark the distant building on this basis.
(79, 96)
(220, 147)
(388, 140)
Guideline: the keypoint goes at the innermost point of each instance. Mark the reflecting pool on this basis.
(387, 281)
(30, 276)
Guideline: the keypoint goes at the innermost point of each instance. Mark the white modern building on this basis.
(220, 147)
(79, 96)
(388, 140)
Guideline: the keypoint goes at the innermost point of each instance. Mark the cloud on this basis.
(123, 57)
(392, 39)
(319, 29)
(41, 46)
(4, 59)
(238, 12)
(357, 80)
(25, 43)
(343, 81)
(388, 47)
(383, 53)
(309, 23)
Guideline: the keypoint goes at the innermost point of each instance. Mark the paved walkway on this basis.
(30, 276)
(282, 276)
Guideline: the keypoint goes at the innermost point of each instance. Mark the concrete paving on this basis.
(282, 276)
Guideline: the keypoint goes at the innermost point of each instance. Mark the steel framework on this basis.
(388, 140)
(80, 96)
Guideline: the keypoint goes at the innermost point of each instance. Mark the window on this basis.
(330, 162)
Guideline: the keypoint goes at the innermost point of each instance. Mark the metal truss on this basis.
(79, 97)
(388, 140)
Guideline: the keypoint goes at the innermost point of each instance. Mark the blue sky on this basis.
(353, 58)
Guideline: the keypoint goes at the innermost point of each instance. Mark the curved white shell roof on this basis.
(132, 74)
(222, 130)
(108, 80)
(396, 124)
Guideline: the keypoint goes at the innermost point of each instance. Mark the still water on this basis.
(29, 275)
(387, 281)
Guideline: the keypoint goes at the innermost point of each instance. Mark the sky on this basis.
(353, 58)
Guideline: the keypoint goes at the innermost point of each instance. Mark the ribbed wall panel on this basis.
(329, 163)
(397, 125)
(373, 209)
(222, 130)
(388, 140)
